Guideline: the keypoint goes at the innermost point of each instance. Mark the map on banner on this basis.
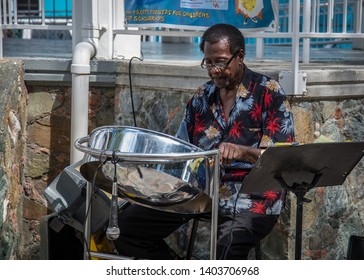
(200, 14)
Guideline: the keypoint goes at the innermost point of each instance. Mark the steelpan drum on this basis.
(146, 174)
(142, 143)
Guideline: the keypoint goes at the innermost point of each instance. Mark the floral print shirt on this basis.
(260, 117)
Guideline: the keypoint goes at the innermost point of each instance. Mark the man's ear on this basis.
(241, 55)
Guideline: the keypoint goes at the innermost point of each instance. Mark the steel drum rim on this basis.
(147, 131)
(141, 157)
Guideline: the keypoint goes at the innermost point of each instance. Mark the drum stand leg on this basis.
(87, 228)
(214, 193)
(87, 233)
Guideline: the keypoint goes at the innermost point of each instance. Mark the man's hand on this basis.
(230, 152)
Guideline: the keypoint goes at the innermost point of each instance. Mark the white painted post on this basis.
(294, 82)
(295, 44)
(105, 22)
(358, 43)
(345, 16)
(330, 16)
(259, 52)
(359, 16)
(1, 33)
(125, 46)
(306, 28)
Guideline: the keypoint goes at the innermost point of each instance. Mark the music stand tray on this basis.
(299, 168)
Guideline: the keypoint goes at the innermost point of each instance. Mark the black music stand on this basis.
(299, 168)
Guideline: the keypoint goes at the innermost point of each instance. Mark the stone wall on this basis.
(336, 212)
(48, 145)
(13, 229)
(159, 94)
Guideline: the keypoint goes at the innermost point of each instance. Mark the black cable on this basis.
(130, 85)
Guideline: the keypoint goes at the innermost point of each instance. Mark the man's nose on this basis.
(215, 70)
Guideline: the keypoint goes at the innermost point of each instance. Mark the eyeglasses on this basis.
(218, 65)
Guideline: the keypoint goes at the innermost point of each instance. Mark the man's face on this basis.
(225, 70)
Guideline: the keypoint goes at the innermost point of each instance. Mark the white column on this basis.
(1, 33)
(359, 25)
(105, 21)
(306, 28)
(295, 44)
(125, 46)
(259, 49)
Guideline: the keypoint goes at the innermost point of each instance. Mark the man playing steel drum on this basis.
(240, 112)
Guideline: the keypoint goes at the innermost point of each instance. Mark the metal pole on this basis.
(10, 12)
(15, 9)
(330, 16)
(87, 230)
(1, 34)
(295, 44)
(259, 53)
(299, 219)
(215, 206)
(313, 16)
(42, 9)
(359, 16)
(345, 16)
(5, 16)
(306, 28)
(317, 17)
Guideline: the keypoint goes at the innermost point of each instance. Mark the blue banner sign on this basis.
(200, 14)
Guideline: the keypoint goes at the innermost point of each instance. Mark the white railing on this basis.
(306, 23)
(317, 19)
(32, 18)
(320, 22)
(300, 23)
(12, 18)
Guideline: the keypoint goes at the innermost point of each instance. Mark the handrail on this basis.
(11, 17)
(247, 34)
(312, 17)
(37, 27)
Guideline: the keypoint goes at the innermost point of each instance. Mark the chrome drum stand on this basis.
(135, 149)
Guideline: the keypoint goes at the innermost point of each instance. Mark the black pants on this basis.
(142, 231)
